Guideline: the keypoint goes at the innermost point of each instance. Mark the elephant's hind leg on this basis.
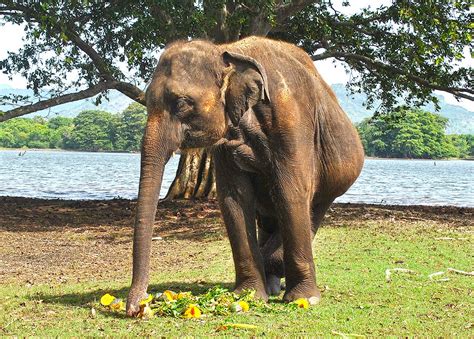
(318, 212)
(294, 217)
(271, 247)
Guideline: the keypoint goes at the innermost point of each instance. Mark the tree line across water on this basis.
(405, 133)
(414, 134)
(90, 130)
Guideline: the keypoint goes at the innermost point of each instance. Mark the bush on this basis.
(409, 133)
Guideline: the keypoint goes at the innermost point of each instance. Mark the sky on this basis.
(331, 70)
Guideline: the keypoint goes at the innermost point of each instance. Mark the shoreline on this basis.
(197, 201)
(167, 204)
(58, 150)
(190, 218)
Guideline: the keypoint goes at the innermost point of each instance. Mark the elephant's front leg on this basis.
(294, 214)
(237, 202)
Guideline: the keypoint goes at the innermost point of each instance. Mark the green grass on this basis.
(351, 264)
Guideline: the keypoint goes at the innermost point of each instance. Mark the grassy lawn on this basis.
(43, 294)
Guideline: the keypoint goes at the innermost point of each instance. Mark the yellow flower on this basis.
(117, 304)
(107, 299)
(182, 295)
(239, 306)
(169, 295)
(145, 312)
(147, 300)
(244, 305)
(192, 312)
(302, 303)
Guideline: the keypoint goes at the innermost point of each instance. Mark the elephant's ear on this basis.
(244, 85)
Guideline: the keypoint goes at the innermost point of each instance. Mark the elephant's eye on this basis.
(182, 107)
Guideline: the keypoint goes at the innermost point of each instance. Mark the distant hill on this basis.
(461, 120)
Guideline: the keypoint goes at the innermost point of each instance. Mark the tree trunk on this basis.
(195, 176)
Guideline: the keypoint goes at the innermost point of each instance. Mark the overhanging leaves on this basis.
(404, 50)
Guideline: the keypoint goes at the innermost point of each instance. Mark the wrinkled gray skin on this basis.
(283, 151)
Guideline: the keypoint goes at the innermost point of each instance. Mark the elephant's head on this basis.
(197, 89)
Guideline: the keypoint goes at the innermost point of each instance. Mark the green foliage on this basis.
(402, 49)
(130, 128)
(408, 133)
(31, 133)
(464, 143)
(93, 131)
(90, 131)
(402, 134)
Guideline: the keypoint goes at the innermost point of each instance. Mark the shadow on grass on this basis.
(180, 219)
(90, 299)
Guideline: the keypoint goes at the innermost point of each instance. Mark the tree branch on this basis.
(458, 92)
(98, 61)
(131, 91)
(74, 37)
(63, 99)
(322, 56)
(260, 25)
(219, 30)
(293, 7)
(102, 66)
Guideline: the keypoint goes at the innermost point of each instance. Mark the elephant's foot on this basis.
(259, 289)
(274, 286)
(305, 289)
(133, 301)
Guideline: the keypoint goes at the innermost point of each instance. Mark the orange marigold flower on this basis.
(117, 304)
(302, 303)
(192, 312)
(147, 300)
(244, 305)
(169, 295)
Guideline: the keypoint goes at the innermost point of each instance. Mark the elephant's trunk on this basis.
(159, 141)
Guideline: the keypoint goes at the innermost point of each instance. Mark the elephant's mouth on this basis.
(195, 138)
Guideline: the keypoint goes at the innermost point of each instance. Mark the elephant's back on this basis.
(305, 104)
(289, 69)
(274, 55)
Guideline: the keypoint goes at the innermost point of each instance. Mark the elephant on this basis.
(283, 149)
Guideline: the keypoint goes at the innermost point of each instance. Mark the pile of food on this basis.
(216, 301)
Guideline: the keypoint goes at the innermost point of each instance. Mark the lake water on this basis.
(80, 175)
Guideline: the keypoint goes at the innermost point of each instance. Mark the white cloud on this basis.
(332, 71)
(12, 40)
(12, 36)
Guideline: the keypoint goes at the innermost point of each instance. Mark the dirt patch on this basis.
(59, 241)
(39, 215)
(448, 215)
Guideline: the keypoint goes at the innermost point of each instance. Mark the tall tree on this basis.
(407, 49)
(93, 131)
(131, 127)
(408, 133)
